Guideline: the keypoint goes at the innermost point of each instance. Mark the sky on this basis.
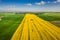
(29, 5)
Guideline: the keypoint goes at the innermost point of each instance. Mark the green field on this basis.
(9, 24)
(50, 16)
(10, 21)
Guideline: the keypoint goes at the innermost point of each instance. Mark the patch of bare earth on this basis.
(57, 23)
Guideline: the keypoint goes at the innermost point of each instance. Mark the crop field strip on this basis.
(10, 22)
(8, 25)
(34, 28)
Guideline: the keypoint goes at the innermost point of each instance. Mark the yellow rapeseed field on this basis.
(35, 28)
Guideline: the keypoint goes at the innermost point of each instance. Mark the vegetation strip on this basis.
(37, 28)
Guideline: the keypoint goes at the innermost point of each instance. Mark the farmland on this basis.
(10, 21)
(35, 28)
(54, 18)
(8, 25)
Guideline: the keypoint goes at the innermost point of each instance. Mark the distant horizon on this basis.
(26, 12)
